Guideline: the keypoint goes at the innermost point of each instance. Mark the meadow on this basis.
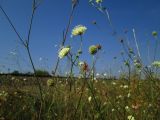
(105, 99)
(134, 94)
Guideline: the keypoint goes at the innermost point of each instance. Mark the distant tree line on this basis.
(40, 73)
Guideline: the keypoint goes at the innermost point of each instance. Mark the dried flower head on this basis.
(99, 47)
(63, 52)
(94, 22)
(79, 30)
(83, 66)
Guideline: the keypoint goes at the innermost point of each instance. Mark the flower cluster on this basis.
(50, 82)
(130, 117)
(79, 30)
(64, 52)
(156, 64)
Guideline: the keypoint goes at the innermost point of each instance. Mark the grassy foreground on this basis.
(111, 100)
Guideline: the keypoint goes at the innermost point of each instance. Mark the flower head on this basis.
(79, 30)
(130, 117)
(93, 49)
(137, 64)
(156, 64)
(83, 66)
(98, 1)
(154, 33)
(50, 82)
(63, 52)
(89, 99)
(127, 108)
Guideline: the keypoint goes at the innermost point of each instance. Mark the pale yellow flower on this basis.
(79, 30)
(50, 82)
(127, 108)
(89, 99)
(98, 1)
(63, 52)
(156, 64)
(130, 117)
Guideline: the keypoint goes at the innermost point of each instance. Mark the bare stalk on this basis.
(134, 34)
(25, 43)
(65, 35)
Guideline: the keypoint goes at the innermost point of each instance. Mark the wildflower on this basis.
(104, 103)
(121, 86)
(105, 74)
(130, 117)
(97, 74)
(98, 1)
(113, 83)
(113, 110)
(93, 50)
(95, 79)
(83, 66)
(89, 99)
(150, 105)
(81, 63)
(50, 82)
(156, 64)
(120, 96)
(63, 52)
(129, 94)
(127, 108)
(154, 33)
(79, 30)
(125, 86)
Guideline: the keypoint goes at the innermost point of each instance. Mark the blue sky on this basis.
(51, 19)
